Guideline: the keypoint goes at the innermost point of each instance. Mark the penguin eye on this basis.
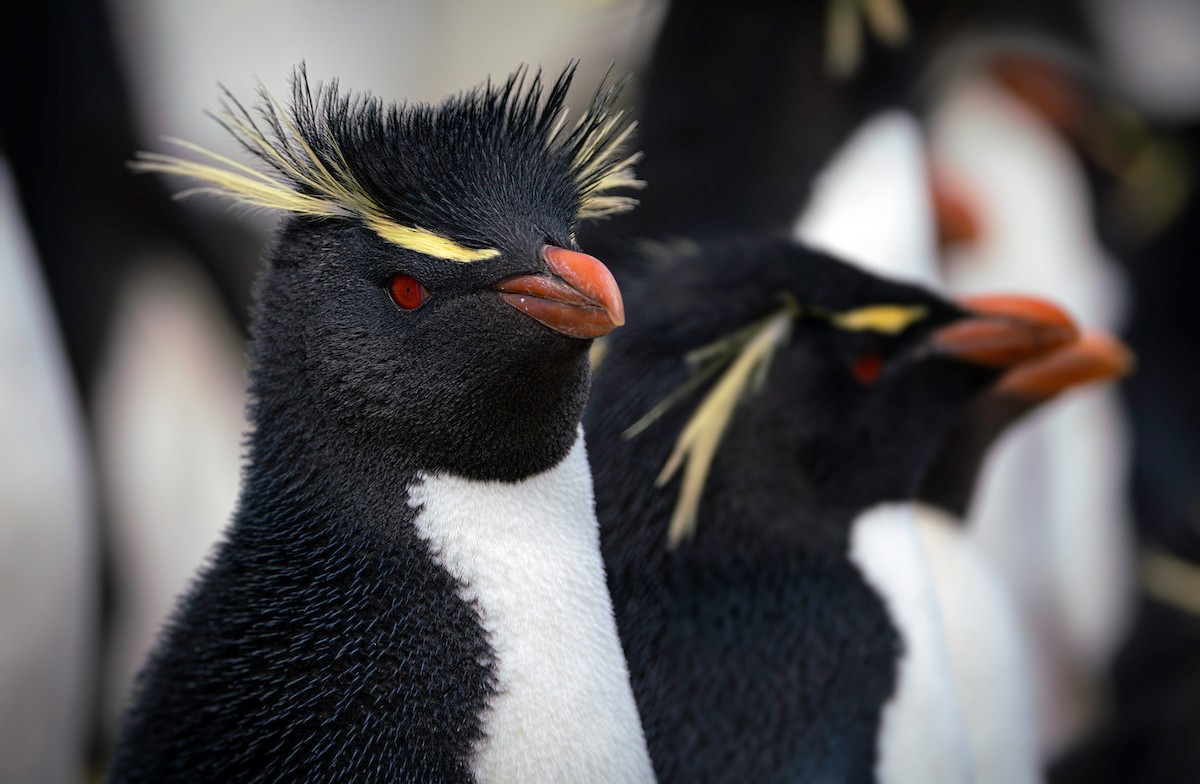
(407, 292)
(867, 368)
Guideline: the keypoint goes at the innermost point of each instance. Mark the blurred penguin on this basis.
(47, 573)
(1051, 510)
(875, 203)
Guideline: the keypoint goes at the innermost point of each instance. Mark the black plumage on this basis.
(323, 641)
(757, 650)
(954, 473)
(741, 107)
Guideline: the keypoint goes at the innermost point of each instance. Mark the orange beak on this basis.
(957, 216)
(1096, 357)
(1005, 331)
(581, 300)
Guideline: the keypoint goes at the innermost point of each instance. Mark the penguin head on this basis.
(836, 381)
(477, 369)
(425, 290)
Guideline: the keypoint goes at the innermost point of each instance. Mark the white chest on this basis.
(528, 554)
(987, 652)
(922, 737)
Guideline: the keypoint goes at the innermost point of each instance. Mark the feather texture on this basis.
(745, 357)
(316, 156)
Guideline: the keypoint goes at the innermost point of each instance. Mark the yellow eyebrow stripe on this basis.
(254, 188)
(426, 242)
(888, 319)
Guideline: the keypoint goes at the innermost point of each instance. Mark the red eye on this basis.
(407, 292)
(868, 368)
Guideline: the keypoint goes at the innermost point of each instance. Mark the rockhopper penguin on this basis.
(768, 591)
(873, 205)
(411, 588)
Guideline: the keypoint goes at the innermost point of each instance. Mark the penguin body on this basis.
(168, 415)
(789, 637)
(410, 588)
(985, 639)
(925, 710)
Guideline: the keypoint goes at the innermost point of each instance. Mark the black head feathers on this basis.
(447, 180)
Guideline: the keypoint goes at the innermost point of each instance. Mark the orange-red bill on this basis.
(1097, 356)
(956, 214)
(582, 300)
(1005, 330)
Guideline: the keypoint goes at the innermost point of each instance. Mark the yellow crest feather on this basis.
(333, 189)
(745, 357)
(306, 171)
(844, 23)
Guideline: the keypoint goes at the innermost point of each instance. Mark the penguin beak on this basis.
(580, 300)
(1096, 357)
(1002, 331)
(955, 213)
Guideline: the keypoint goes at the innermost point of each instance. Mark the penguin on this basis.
(411, 586)
(773, 602)
(108, 244)
(741, 105)
(883, 205)
(168, 422)
(47, 519)
(875, 203)
(1149, 735)
(1051, 509)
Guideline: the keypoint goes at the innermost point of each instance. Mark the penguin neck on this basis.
(949, 484)
(303, 469)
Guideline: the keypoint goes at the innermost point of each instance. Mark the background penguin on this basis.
(742, 104)
(873, 204)
(411, 587)
(107, 246)
(47, 586)
(1150, 736)
(1051, 509)
(777, 618)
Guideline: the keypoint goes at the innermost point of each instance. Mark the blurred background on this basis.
(1064, 132)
